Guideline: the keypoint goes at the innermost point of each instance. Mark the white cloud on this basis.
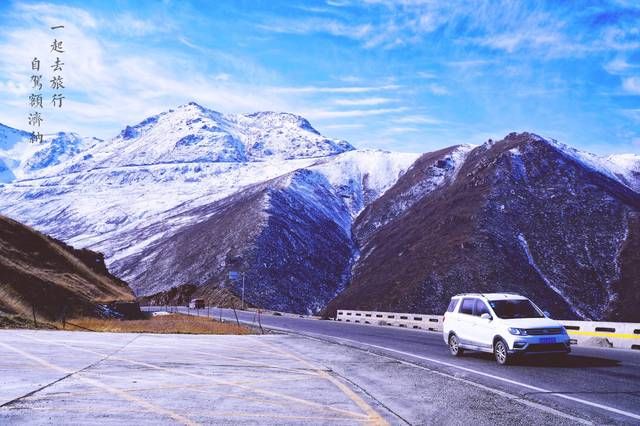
(318, 25)
(344, 126)
(326, 114)
(108, 83)
(363, 101)
(400, 129)
(618, 66)
(631, 85)
(130, 25)
(328, 89)
(437, 89)
(55, 14)
(417, 119)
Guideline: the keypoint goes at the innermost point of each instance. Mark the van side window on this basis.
(481, 308)
(452, 305)
(467, 306)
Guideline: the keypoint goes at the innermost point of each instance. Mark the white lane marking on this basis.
(502, 379)
(470, 370)
(489, 389)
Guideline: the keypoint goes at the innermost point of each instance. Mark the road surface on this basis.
(600, 385)
(87, 378)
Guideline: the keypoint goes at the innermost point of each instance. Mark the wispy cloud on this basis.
(328, 89)
(363, 101)
(109, 85)
(380, 65)
(417, 119)
(400, 129)
(618, 66)
(318, 25)
(130, 25)
(437, 89)
(351, 113)
(343, 126)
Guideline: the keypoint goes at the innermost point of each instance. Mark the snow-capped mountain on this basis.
(194, 134)
(523, 214)
(129, 196)
(20, 158)
(188, 195)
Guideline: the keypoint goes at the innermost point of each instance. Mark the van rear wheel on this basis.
(454, 346)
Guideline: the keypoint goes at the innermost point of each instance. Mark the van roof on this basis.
(493, 296)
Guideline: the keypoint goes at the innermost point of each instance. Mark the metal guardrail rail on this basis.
(622, 335)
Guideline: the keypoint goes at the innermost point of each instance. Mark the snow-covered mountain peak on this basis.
(623, 168)
(192, 133)
(270, 119)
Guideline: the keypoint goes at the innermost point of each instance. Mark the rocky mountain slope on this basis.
(140, 196)
(36, 270)
(523, 214)
(182, 198)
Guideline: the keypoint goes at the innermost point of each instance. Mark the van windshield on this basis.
(510, 309)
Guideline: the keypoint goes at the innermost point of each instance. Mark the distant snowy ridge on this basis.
(21, 159)
(192, 133)
(624, 168)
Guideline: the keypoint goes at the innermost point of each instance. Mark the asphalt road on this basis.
(88, 378)
(600, 385)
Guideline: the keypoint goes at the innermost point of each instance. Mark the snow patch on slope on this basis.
(623, 168)
(525, 247)
(361, 176)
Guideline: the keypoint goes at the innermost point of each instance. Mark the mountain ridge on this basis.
(187, 195)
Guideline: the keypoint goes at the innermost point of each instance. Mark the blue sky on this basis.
(399, 75)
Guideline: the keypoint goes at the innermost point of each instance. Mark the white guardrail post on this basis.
(623, 335)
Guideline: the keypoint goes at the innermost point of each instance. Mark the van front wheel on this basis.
(501, 352)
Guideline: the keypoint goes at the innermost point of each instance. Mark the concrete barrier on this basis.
(623, 335)
(392, 319)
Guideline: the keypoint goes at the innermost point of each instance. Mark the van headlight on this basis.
(518, 331)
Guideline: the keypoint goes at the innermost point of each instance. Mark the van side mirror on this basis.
(547, 314)
(486, 316)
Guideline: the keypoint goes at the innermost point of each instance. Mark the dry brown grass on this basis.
(165, 324)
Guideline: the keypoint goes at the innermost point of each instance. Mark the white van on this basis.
(504, 324)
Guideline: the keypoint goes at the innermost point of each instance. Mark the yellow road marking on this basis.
(605, 334)
(141, 402)
(211, 379)
(194, 388)
(257, 363)
(371, 413)
(203, 413)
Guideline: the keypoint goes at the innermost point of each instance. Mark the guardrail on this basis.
(405, 320)
(623, 335)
